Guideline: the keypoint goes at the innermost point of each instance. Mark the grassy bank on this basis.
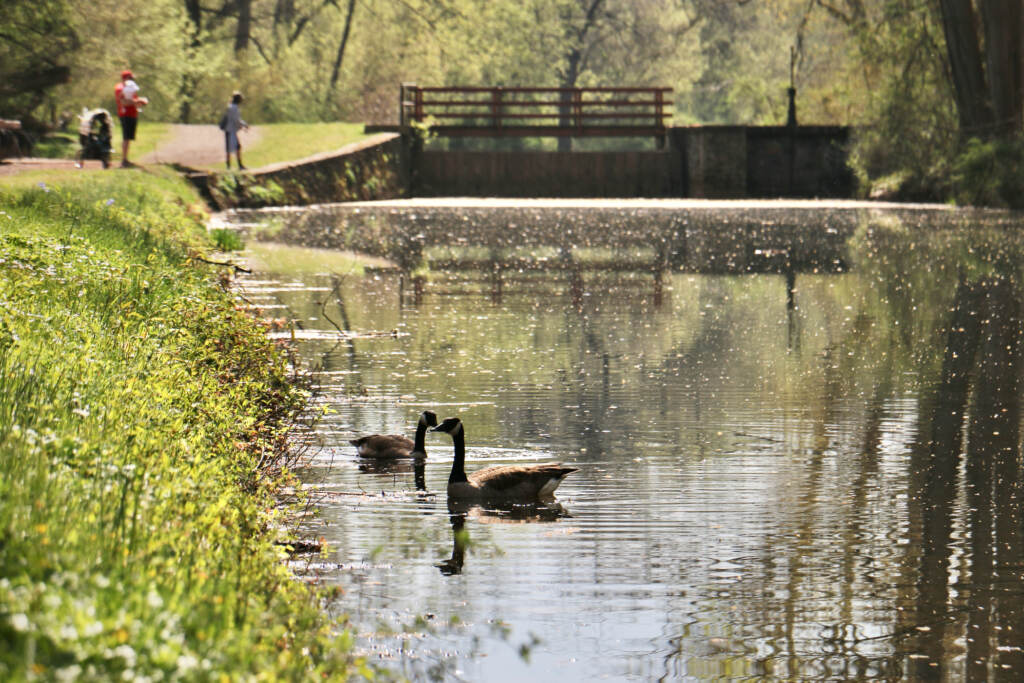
(292, 141)
(142, 423)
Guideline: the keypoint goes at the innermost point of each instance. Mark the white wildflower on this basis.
(126, 653)
(68, 673)
(153, 599)
(19, 622)
(187, 662)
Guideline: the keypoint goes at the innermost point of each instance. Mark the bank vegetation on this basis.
(143, 450)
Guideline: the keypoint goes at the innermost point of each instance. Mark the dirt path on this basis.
(197, 146)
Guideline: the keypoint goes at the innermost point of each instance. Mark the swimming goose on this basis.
(501, 483)
(395, 445)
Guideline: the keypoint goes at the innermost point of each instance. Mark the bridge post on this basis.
(577, 110)
(496, 107)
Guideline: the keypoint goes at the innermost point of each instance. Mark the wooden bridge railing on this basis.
(537, 112)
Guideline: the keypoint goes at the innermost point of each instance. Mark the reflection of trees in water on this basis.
(970, 447)
(955, 592)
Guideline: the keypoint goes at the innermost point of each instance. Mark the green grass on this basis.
(65, 145)
(148, 137)
(143, 423)
(284, 258)
(56, 146)
(292, 141)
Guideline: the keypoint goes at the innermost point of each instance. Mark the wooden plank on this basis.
(517, 89)
(641, 111)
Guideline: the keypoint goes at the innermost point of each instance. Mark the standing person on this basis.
(232, 123)
(126, 93)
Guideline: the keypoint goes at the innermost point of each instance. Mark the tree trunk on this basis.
(1002, 21)
(989, 88)
(336, 72)
(284, 13)
(578, 43)
(187, 87)
(565, 119)
(243, 30)
(959, 24)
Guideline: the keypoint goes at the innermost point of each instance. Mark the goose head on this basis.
(429, 418)
(451, 425)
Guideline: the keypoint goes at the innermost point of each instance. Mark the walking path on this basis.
(195, 146)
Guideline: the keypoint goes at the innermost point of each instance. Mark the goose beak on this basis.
(448, 425)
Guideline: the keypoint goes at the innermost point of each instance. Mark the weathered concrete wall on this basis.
(806, 161)
(732, 162)
(714, 162)
(547, 174)
(375, 168)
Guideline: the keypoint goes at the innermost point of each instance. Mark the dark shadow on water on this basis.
(511, 514)
(397, 466)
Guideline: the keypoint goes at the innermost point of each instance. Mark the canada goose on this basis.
(396, 445)
(501, 483)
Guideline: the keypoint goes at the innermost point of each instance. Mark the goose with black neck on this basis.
(501, 483)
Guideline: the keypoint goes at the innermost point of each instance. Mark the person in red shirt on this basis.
(126, 93)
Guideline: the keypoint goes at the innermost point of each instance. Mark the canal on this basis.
(792, 471)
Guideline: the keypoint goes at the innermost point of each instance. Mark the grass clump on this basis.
(227, 239)
(142, 450)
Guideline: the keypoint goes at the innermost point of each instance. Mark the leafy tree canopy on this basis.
(36, 44)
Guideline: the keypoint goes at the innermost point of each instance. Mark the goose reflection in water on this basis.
(416, 465)
(459, 511)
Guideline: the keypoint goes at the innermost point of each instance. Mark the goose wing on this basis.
(383, 445)
(507, 478)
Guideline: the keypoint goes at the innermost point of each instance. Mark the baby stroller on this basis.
(94, 131)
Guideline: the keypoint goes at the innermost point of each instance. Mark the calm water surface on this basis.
(819, 483)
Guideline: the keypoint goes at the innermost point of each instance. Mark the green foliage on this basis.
(227, 240)
(55, 147)
(910, 119)
(143, 424)
(990, 173)
(243, 189)
(36, 42)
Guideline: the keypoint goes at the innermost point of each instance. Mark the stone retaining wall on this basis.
(375, 168)
(712, 162)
